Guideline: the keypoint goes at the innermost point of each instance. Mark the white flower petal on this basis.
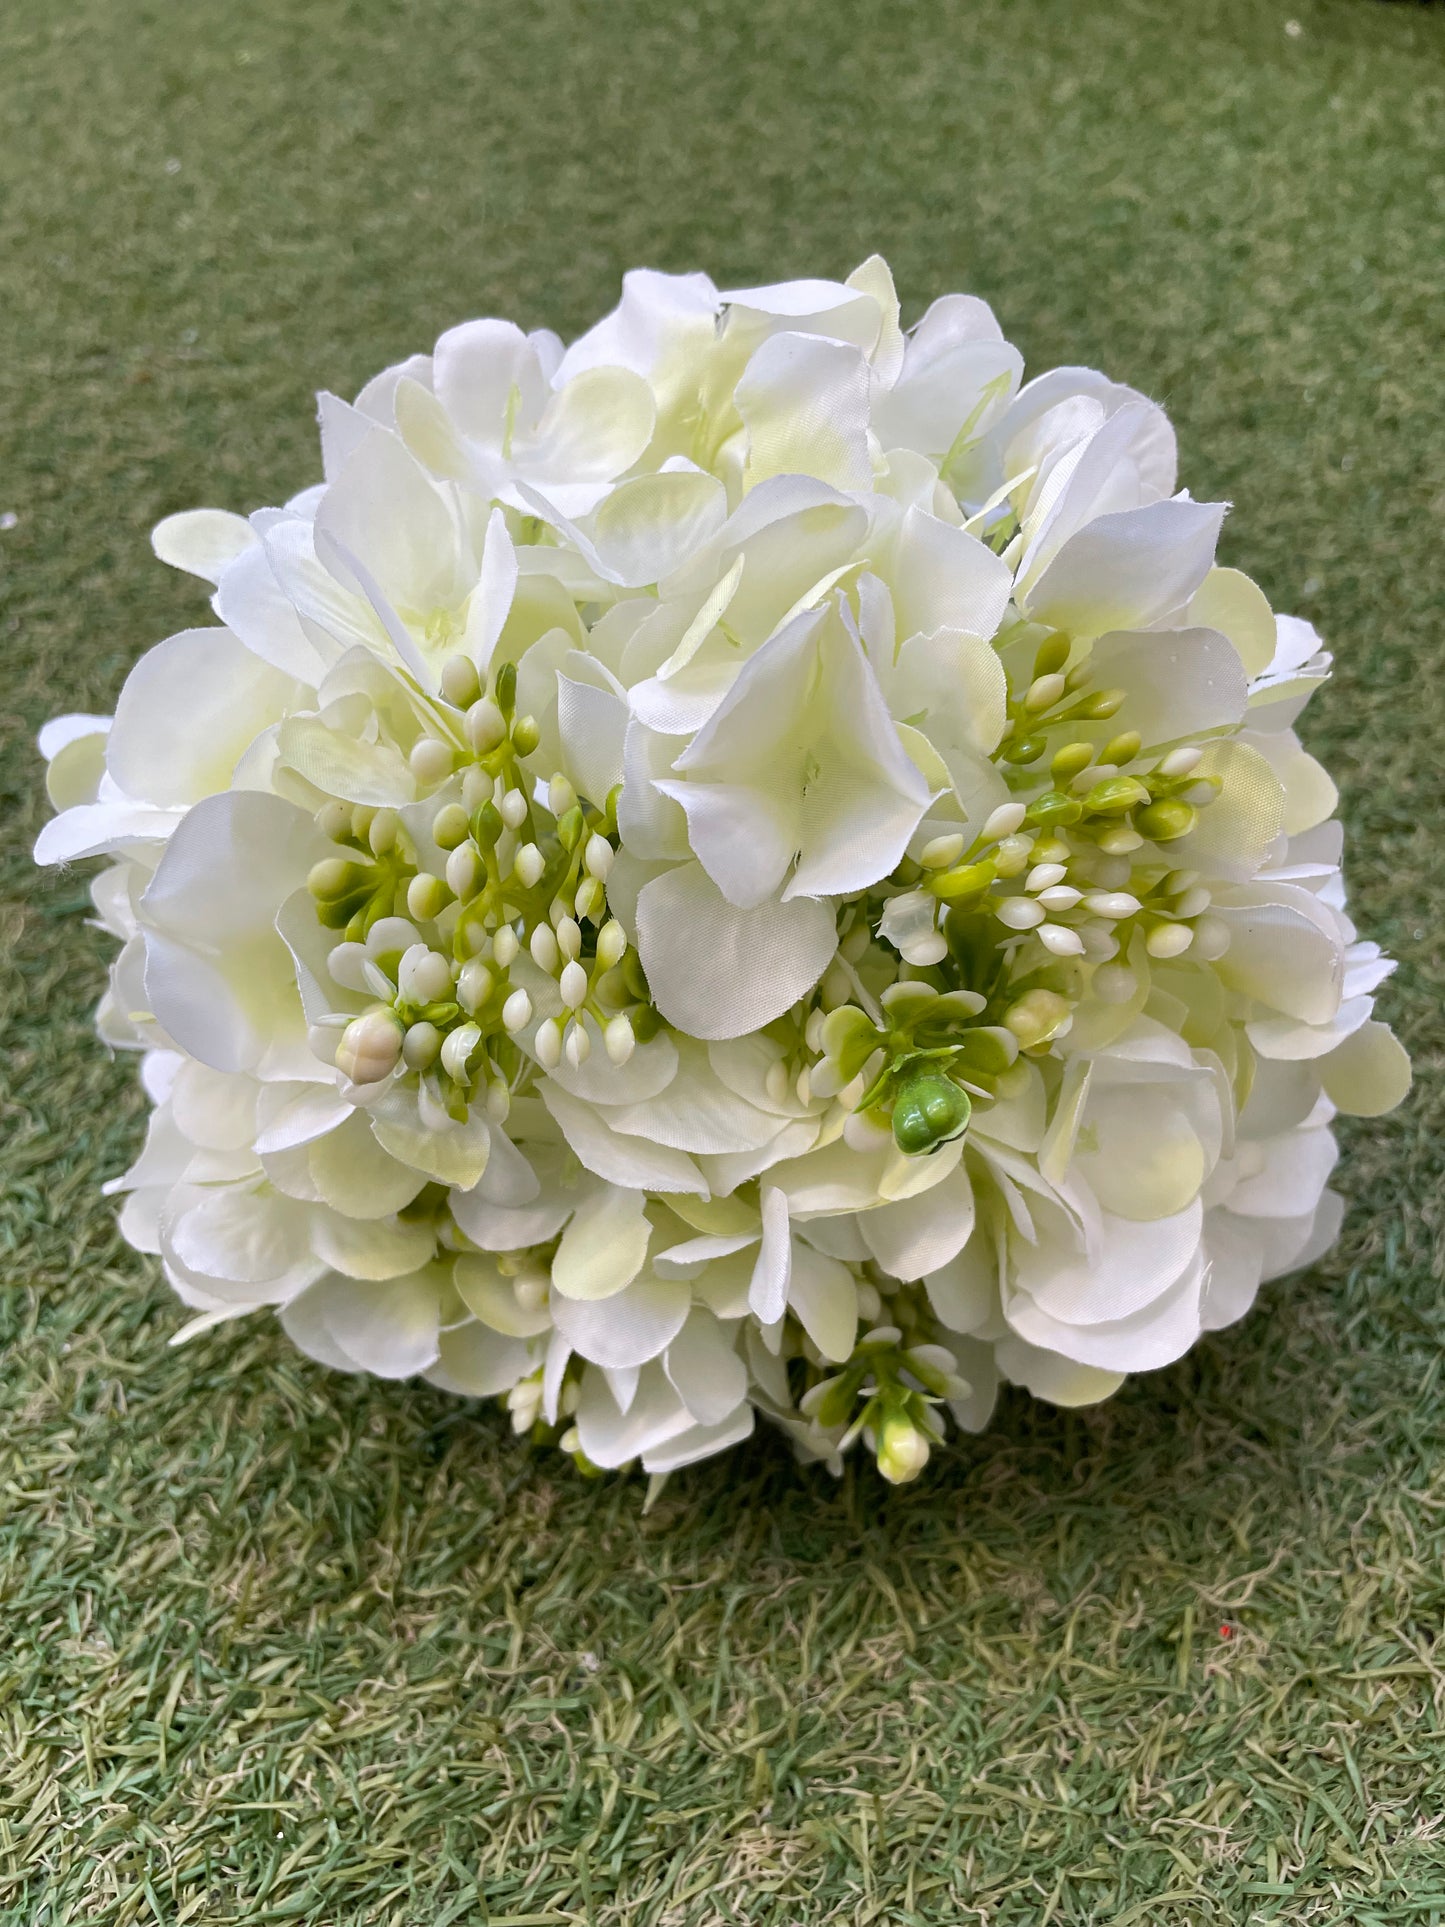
(923, 1234)
(945, 578)
(611, 1437)
(629, 1328)
(605, 1245)
(391, 1328)
(203, 542)
(627, 1161)
(1134, 1264)
(95, 829)
(704, 1369)
(1126, 570)
(822, 1292)
(478, 1363)
(1059, 1380)
(255, 607)
(698, 1442)
(1368, 1074)
(716, 971)
(374, 1249)
(355, 1175)
(773, 1271)
(594, 427)
(1181, 682)
(490, 1297)
(593, 727)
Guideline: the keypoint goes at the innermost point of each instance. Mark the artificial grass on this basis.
(280, 1645)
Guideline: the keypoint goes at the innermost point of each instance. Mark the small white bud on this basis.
(930, 948)
(430, 760)
(1193, 903)
(561, 796)
(1120, 840)
(426, 896)
(450, 826)
(942, 852)
(457, 1050)
(516, 1012)
(370, 1047)
(1043, 875)
(505, 947)
(382, 834)
(837, 986)
(549, 1044)
(1043, 693)
(528, 865)
(813, 1031)
(1096, 773)
(543, 945)
(577, 1047)
(1201, 795)
(804, 1086)
(569, 938)
(611, 944)
(619, 1038)
(776, 1081)
(334, 821)
(465, 870)
(591, 899)
(1182, 762)
(1167, 940)
(477, 788)
(420, 1046)
(1012, 855)
(514, 809)
(598, 857)
(424, 976)
(1020, 913)
(574, 985)
(475, 985)
(902, 1448)
(485, 725)
(1062, 941)
(1003, 821)
(1112, 904)
(1059, 896)
(460, 684)
(499, 1101)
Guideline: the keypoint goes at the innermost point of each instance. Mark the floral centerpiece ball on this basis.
(752, 864)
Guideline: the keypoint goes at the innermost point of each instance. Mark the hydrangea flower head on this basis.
(756, 863)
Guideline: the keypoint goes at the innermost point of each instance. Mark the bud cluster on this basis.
(520, 867)
(1074, 875)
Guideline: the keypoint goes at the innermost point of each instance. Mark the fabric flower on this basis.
(753, 863)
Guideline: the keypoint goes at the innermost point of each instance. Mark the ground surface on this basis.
(282, 1647)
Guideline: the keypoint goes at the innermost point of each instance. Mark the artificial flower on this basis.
(753, 863)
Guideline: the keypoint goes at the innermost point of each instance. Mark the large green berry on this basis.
(928, 1111)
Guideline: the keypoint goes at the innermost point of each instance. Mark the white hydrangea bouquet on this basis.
(754, 863)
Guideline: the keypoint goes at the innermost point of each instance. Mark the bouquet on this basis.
(755, 863)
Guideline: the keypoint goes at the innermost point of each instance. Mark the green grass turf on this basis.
(281, 1646)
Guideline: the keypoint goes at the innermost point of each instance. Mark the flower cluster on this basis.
(754, 863)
